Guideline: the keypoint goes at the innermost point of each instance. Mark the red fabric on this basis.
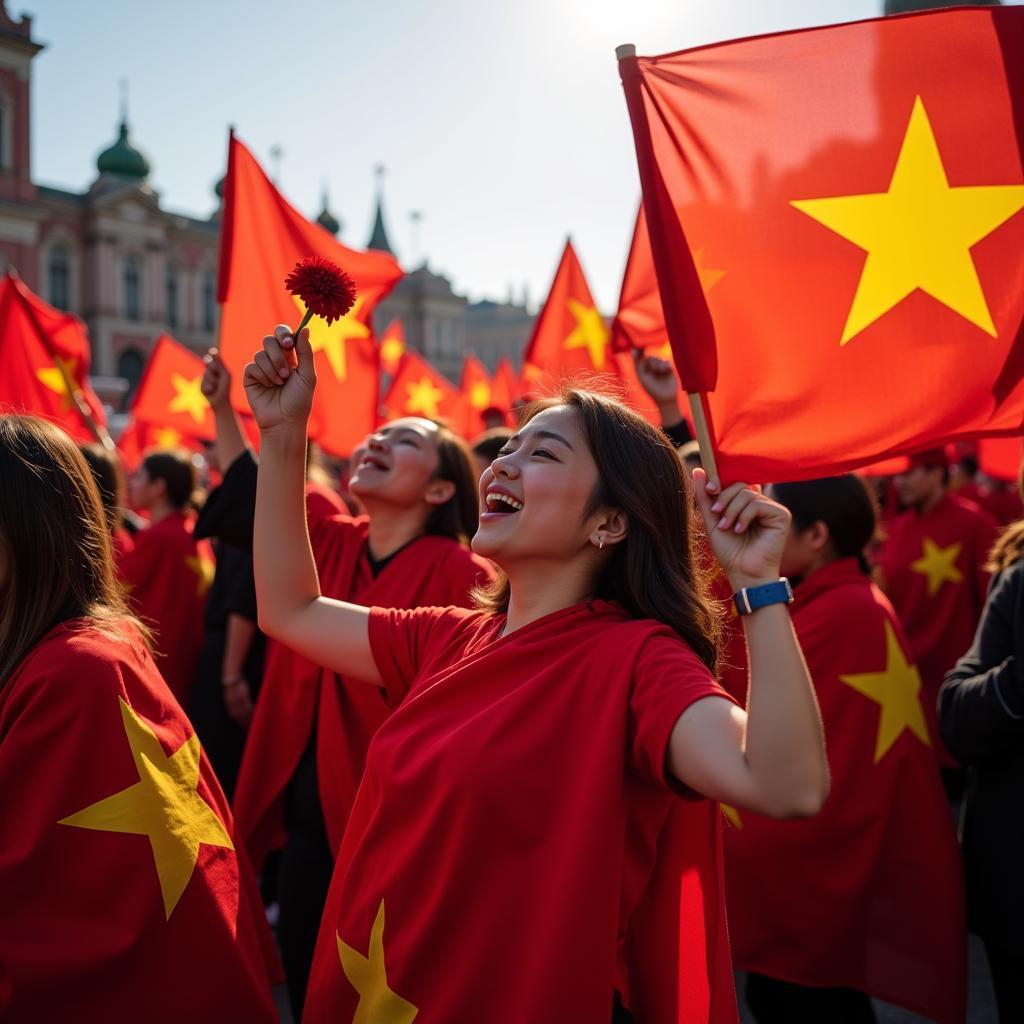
(730, 136)
(477, 394)
(569, 338)
(296, 692)
(509, 848)
(138, 438)
(87, 936)
(868, 894)
(36, 341)
(168, 573)
(121, 542)
(417, 389)
(640, 321)
(505, 389)
(168, 396)
(322, 503)
(262, 237)
(939, 626)
(1000, 457)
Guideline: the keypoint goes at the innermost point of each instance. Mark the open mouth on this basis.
(504, 504)
(371, 462)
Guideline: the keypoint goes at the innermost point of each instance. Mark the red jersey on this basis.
(123, 896)
(508, 822)
(868, 894)
(932, 571)
(296, 693)
(168, 573)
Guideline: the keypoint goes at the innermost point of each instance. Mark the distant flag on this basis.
(477, 394)
(505, 386)
(417, 389)
(392, 347)
(262, 237)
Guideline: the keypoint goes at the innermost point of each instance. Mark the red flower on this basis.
(323, 286)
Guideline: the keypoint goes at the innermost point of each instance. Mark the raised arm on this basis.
(771, 758)
(279, 384)
(216, 386)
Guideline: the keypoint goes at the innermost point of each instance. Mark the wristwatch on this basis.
(749, 599)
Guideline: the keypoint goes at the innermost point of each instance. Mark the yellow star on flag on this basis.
(897, 691)
(589, 333)
(331, 339)
(57, 381)
(732, 815)
(378, 1004)
(188, 397)
(391, 349)
(165, 437)
(938, 564)
(203, 568)
(918, 234)
(164, 805)
(480, 394)
(423, 398)
(708, 276)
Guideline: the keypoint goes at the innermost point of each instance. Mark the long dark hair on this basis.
(55, 541)
(844, 504)
(108, 473)
(457, 517)
(654, 572)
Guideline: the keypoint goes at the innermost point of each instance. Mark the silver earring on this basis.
(600, 543)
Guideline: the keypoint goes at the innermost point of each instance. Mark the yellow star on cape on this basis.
(896, 689)
(391, 349)
(163, 805)
(332, 338)
(378, 1004)
(57, 381)
(939, 565)
(188, 397)
(423, 398)
(203, 568)
(589, 333)
(480, 394)
(732, 815)
(918, 234)
(165, 437)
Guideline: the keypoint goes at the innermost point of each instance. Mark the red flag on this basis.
(477, 394)
(262, 237)
(419, 390)
(569, 336)
(44, 362)
(861, 206)
(505, 386)
(139, 437)
(1000, 457)
(170, 398)
(392, 347)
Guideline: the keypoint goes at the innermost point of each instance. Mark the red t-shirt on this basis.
(505, 801)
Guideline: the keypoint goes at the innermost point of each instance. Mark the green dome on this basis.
(328, 221)
(122, 158)
(218, 189)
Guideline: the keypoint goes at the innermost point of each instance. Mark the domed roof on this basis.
(122, 158)
(326, 219)
(218, 189)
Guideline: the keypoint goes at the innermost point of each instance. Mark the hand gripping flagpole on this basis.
(695, 398)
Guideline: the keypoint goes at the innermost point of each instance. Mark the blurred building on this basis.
(905, 6)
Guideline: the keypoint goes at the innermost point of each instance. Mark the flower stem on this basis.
(306, 317)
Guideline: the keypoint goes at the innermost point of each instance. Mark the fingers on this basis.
(261, 373)
(283, 334)
(275, 353)
(732, 507)
(304, 355)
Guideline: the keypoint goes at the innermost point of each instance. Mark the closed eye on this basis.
(545, 453)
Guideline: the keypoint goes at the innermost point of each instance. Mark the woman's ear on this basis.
(612, 528)
(439, 491)
(818, 535)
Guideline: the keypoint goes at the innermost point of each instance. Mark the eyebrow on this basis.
(398, 432)
(549, 435)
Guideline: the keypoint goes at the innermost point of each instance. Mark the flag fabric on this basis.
(569, 338)
(867, 894)
(44, 362)
(170, 397)
(477, 394)
(1000, 457)
(392, 347)
(168, 573)
(858, 207)
(138, 437)
(262, 237)
(124, 897)
(418, 389)
(548, 703)
(505, 386)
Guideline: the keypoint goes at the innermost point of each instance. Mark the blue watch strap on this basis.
(749, 599)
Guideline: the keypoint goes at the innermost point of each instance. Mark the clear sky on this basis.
(502, 121)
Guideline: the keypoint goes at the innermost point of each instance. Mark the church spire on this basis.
(325, 218)
(379, 235)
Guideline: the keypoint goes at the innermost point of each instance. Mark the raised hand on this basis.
(658, 377)
(280, 381)
(216, 382)
(747, 531)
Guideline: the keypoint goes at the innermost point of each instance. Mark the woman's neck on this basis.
(393, 527)
(161, 510)
(538, 589)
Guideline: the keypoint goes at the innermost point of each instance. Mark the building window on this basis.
(132, 289)
(129, 366)
(59, 277)
(172, 297)
(209, 300)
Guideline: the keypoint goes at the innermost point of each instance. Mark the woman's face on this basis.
(533, 496)
(397, 464)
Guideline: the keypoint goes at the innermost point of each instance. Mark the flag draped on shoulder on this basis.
(418, 389)
(835, 225)
(44, 362)
(262, 237)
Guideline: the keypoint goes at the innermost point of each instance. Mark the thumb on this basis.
(304, 353)
(704, 500)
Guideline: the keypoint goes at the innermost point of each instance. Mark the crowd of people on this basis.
(498, 740)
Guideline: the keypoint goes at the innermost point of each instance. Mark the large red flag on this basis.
(417, 389)
(169, 395)
(44, 362)
(569, 339)
(262, 237)
(860, 205)
(477, 394)
(505, 386)
(1000, 457)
